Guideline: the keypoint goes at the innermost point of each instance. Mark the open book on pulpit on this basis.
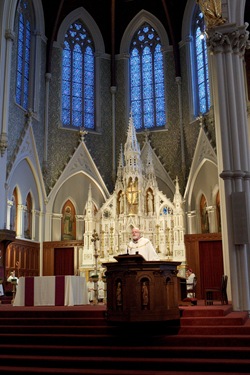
(136, 258)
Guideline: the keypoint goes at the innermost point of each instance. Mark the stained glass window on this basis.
(201, 66)
(23, 53)
(147, 89)
(166, 211)
(78, 77)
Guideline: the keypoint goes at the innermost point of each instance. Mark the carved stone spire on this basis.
(89, 204)
(132, 151)
(149, 168)
(120, 165)
(177, 196)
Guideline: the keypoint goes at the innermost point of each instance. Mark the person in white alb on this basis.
(12, 277)
(100, 290)
(190, 275)
(91, 290)
(142, 245)
(1, 289)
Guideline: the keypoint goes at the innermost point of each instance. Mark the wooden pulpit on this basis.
(140, 291)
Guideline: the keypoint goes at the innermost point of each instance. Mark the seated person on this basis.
(1, 288)
(190, 275)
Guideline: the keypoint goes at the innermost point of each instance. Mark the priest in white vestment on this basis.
(142, 245)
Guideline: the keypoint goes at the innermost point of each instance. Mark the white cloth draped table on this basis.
(51, 291)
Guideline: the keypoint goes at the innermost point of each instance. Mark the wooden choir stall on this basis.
(140, 291)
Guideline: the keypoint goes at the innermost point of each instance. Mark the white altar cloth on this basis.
(51, 291)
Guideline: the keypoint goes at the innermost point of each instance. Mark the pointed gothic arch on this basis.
(141, 18)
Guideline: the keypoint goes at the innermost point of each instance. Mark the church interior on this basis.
(122, 114)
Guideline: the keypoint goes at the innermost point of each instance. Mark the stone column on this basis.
(8, 218)
(56, 234)
(191, 222)
(226, 45)
(212, 219)
(79, 227)
(21, 210)
(5, 92)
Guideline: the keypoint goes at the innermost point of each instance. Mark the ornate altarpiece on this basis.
(135, 202)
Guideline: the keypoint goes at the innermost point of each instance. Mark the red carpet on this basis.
(79, 340)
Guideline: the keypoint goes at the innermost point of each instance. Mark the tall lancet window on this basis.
(147, 88)
(78, 78)
(201, 74)
(24, 40)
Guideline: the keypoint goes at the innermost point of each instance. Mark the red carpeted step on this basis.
(80, 340)
(128, 351)
(206, 311)
(52, 311)
(92, 340)
(57, 329)
(38, 371)
(215, 330)
(231, 319)
(138, 363)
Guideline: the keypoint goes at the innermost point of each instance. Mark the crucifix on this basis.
(95, 237)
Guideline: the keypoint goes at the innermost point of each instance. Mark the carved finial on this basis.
(201, 120)
(147, 134)
(29, 114)
(82, 133)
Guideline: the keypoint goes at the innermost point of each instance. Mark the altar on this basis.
(51, 291)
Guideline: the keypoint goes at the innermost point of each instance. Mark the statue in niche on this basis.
(67, 221)
(150, 202)
(121, 203)
(204, 216)
(119, 294)
(145, 295)
(132, 197)
(211, 10)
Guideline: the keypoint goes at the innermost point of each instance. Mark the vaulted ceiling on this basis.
(113, 17)
(116, 15)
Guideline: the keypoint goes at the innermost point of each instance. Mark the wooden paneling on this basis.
(23, 257)
(49, 254)
(192, 243)
(48, 260)
(64, 261)
(211, 265)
